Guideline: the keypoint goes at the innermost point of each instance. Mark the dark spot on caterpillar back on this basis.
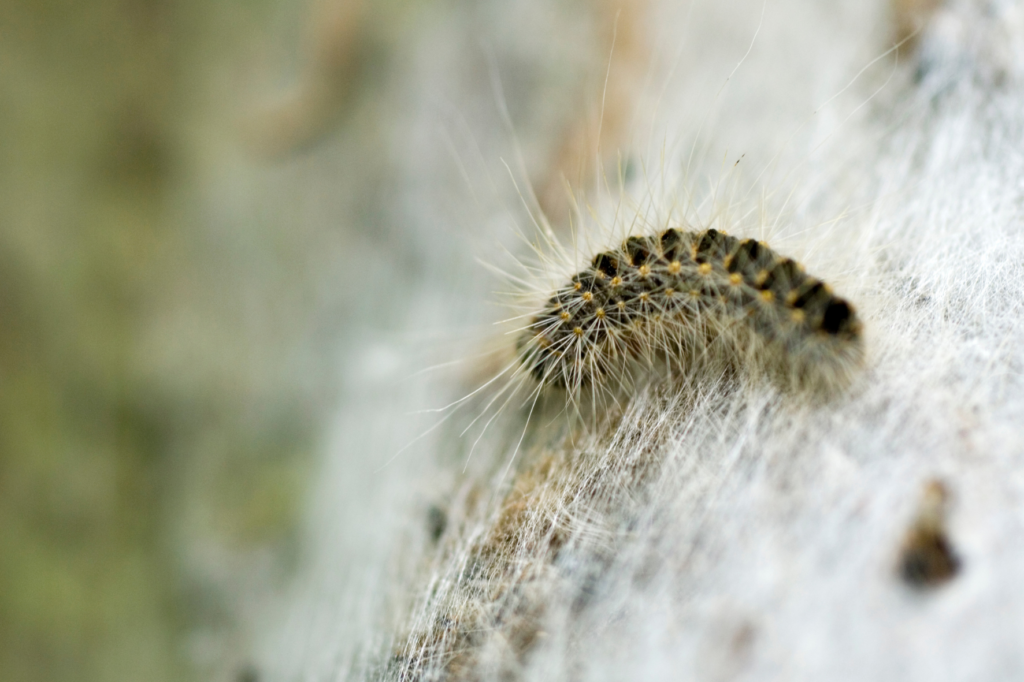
(607, 265)
(783, 277)
(672, 245)
(750, 258)
(839, 318)
(638, 250)
(676, 294)
(714, 247)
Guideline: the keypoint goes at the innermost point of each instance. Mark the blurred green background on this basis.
(161, 388)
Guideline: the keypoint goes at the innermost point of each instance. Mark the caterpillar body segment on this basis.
(683, 297)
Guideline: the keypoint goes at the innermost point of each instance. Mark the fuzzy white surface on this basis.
(766, 546)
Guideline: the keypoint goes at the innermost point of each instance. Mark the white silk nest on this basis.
(717, 530)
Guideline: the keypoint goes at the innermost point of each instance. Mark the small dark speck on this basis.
(927, 558)
(437, 522)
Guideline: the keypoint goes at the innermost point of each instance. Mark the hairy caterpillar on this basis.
(688, 295)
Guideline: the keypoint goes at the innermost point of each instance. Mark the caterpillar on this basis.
(688, 297)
